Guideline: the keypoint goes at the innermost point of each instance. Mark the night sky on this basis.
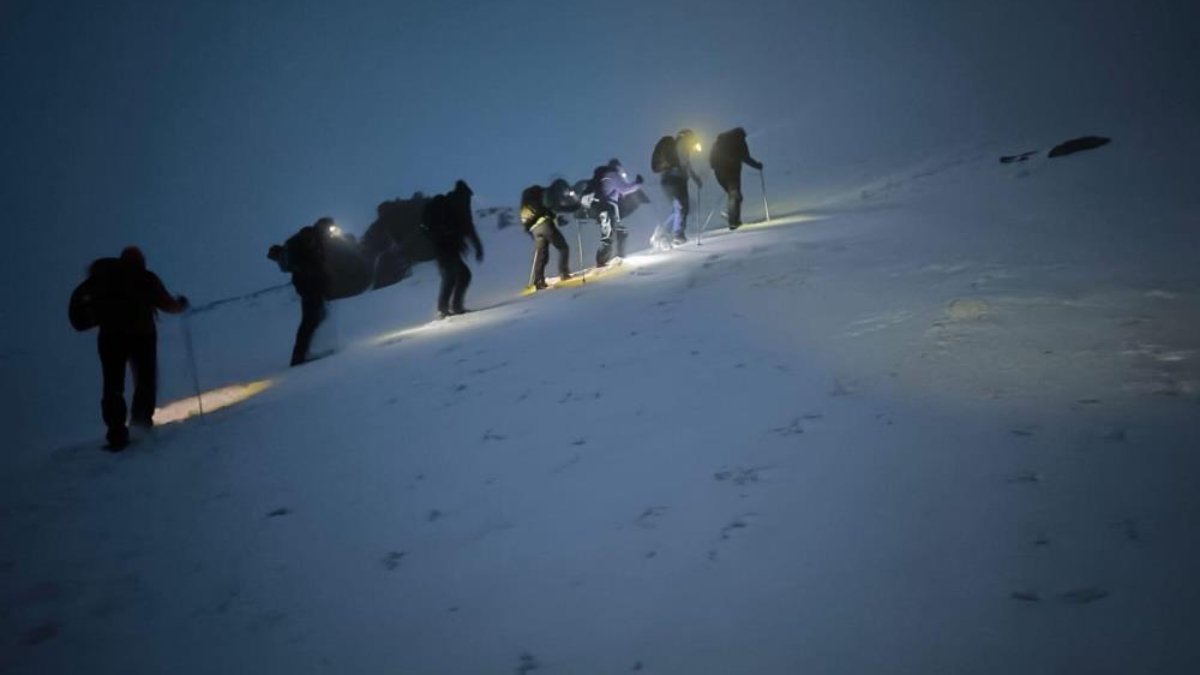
(205, 131)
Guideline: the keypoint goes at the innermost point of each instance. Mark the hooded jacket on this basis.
(729, 151)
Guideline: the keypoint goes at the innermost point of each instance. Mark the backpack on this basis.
(665, 155)
(81, 311)
(90, 297)
(435, 218)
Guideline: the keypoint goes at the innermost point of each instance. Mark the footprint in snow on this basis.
(841, 389)
(739, 475)
(490, 435)
(793, 428)
(392, 560)
(566, 465)
(527, 664)
(1025, 477)
(583, 396)
(282, 511)
(738, 523)
(649, 517)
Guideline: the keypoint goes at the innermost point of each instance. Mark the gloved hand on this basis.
(639, 180)
(184, 303)
(479, 255)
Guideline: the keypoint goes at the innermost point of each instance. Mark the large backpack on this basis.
(435, 219)
(665, 155)
(90, 297)
(82, 309)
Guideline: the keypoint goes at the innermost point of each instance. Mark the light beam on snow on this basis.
(645, 259)
(178, 411)
(463, 323)
(784, 220)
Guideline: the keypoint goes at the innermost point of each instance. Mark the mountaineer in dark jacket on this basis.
(303, 254)
(541, 223)
(678, 168)
(612, 184)
(728, 154)
(450, 225)
(123, 298)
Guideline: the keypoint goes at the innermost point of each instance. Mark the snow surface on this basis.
(939, 419)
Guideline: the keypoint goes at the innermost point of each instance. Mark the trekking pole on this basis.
(763, 182)
(707, 220)
(532, 267)
(711, 212)
(579, 241)
(191, 356)
(699, 205)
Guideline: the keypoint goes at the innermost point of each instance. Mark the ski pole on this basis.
(699, 205)
(191, 356)
(763, 181)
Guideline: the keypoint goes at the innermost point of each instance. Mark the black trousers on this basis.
(610, 230)
(732, 185)
(140, 353)
(312, 313)
(456, 277)
(544, 235)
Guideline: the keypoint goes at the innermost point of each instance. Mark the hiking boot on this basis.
(117, 440)
(679, 240)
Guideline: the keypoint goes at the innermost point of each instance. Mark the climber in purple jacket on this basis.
(611, 183)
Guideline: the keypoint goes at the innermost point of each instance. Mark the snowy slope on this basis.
(944, 422)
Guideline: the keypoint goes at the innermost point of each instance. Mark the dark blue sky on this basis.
(205, 131)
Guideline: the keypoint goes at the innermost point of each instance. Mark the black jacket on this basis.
(449, 221)
(729, 152)
(126, 297)
(306, 260)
